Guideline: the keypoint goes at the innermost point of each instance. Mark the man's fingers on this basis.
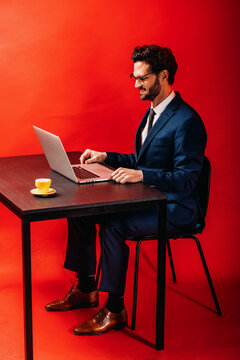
(117, 172)
(115, 176)
(90, 156)
(90, 160)
(85, 156)
(118, 178)
(123, 175)
(119, 175)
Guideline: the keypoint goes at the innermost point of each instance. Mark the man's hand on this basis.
(123, 175)
(91, 156)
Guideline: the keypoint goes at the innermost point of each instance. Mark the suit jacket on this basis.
(171, 159)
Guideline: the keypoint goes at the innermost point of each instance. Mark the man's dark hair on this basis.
(159, 58)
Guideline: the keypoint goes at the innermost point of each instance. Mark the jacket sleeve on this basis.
(121, 160)
(189, 145)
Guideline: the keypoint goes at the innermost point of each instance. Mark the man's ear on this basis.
(164, 74)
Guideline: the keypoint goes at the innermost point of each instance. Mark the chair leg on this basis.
(135, 287)
(208, 275)
(171, 261)
(99, 269)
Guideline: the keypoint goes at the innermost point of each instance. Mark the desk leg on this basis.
(161, 274)
(27, 289)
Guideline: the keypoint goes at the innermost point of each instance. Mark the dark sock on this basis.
(86, 283)
(115, 303)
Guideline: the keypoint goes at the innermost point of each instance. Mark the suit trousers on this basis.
(114, 230)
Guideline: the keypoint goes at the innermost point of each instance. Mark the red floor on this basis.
(192, 330)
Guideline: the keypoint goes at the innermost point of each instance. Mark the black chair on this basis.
(203, 190)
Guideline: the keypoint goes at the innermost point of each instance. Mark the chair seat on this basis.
(198, 229)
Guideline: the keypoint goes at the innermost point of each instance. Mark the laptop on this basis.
(58, 161)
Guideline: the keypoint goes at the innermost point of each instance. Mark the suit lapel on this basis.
(160, 123)
(139, 132)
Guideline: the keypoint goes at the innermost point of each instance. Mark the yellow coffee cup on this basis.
(43, 185)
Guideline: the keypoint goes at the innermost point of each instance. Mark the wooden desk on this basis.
(17, 179)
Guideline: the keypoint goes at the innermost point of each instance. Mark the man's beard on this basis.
(153, 91)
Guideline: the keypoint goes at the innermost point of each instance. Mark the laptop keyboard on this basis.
(83, 173)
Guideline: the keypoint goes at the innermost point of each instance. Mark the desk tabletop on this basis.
(19, 173)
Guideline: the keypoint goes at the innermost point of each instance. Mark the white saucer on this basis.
(38, 193)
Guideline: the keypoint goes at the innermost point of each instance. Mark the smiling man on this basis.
(169, 150)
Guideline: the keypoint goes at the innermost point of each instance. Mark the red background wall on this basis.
(64, 66)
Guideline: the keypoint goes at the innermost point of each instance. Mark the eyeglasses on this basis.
(140, 79)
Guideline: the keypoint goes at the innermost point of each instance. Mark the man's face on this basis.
(150, 87)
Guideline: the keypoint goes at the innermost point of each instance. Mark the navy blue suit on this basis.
(171, 159)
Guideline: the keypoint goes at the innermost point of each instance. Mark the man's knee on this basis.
(117, 225)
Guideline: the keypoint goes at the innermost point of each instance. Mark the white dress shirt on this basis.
(158, 111)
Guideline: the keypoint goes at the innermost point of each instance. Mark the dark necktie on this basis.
(149, 126)
(150, 120)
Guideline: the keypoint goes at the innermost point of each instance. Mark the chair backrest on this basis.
(203, 187)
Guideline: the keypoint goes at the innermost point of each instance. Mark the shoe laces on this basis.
(71, 291)
(100, 316)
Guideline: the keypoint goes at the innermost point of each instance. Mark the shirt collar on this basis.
(161, 107)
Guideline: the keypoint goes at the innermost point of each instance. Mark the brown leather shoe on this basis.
(74, 299)
(102, 322)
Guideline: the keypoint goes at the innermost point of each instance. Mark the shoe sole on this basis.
(84, 306)
(116, 327)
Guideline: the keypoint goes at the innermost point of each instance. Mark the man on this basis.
(169, 150)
